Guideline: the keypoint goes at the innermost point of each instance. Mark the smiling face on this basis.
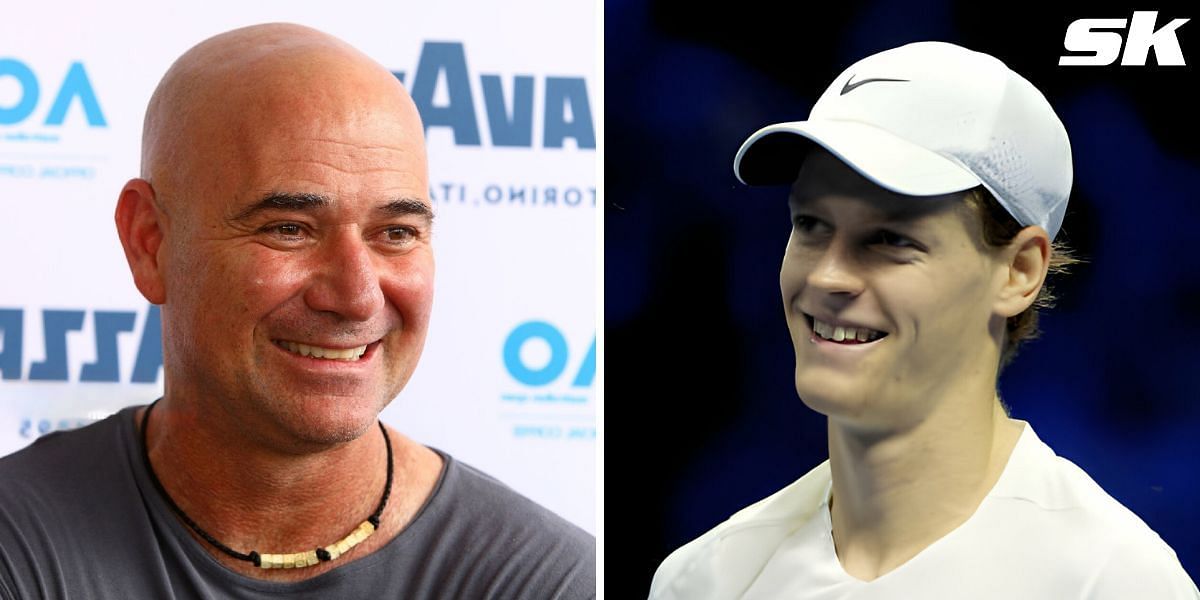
(889, 298)
(296, 256)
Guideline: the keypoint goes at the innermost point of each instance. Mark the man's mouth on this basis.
(843, 334)
(343, 354)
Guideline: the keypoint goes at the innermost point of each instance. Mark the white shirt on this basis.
(1044, 531)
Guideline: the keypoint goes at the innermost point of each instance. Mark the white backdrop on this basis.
(509, 96)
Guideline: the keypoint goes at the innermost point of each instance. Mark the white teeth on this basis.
(349, 354)
(839, 333)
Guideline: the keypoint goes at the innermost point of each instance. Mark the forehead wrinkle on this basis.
(366, 147)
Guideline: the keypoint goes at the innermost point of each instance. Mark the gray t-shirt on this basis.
(79, 518)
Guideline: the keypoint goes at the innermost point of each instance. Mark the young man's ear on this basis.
(1026, 260)
(140, 227)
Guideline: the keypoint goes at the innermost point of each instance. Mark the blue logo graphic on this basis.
(566, 110)
(55, 326)
(548, 413)
(75, 85)
(559, 356)
(513, 194)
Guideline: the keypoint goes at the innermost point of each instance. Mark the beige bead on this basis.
(309, 558)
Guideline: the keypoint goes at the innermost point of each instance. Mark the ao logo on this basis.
(74, 85)
(553, 369)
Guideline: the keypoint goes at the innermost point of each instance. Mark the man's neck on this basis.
(895, 494)
(250, 498)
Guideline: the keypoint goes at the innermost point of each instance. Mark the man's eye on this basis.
(804, 223)
(284, 230)
(895, 240)
(400, 234)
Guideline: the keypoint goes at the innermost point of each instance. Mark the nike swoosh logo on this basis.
(850, 87)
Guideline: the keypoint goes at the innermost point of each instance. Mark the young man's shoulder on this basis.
(1045, 517)
(720, 560)
(1052, 508)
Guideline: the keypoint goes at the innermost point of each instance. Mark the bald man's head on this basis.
(240, 87)
(283, 222)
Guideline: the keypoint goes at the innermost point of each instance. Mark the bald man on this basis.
(282, 221)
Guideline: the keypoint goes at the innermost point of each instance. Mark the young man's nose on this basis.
(835, 271)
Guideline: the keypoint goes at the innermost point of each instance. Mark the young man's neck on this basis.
(895, 494)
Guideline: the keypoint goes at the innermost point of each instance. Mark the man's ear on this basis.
(1026, 260)
(140, 226)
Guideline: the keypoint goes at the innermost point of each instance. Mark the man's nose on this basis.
(835, 271)
(347, 280)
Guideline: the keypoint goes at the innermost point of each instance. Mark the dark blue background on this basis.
(701, 416)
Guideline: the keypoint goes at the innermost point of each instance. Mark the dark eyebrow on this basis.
(281, 201)
(402, 207)
(284, 202)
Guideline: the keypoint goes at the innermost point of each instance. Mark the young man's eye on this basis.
(895, 240)
(804, 223)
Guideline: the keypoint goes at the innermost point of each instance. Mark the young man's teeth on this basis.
(328, 353)
(838, 333)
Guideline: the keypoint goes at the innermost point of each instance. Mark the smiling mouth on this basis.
(342, 354)
(841, 334)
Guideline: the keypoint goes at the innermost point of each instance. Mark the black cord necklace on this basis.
(279, 561)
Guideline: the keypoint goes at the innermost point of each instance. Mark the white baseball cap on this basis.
(930, 118)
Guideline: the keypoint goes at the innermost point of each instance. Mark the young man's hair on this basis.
(997, 229)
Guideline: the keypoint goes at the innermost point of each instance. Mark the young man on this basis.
(931, 182)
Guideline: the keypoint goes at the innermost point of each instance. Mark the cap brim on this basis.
(772, 156)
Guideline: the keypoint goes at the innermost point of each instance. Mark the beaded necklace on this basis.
(279, 561)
